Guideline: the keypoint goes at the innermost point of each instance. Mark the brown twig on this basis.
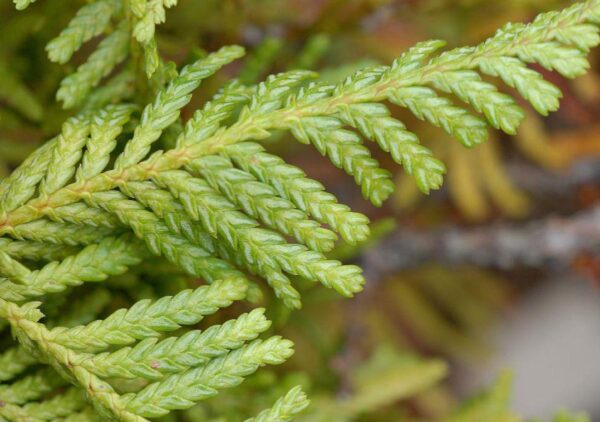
(551, 241)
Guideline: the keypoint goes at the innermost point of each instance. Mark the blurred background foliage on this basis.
(399, 350)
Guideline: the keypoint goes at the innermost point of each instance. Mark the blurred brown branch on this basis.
(554, 184)
(553, 241)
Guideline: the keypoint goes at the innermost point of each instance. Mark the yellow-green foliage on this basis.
(128, 183)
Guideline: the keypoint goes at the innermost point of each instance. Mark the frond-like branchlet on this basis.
(105, 126)
(13, 269)
(165, 109)
(266, 248)
(160, 240)
(146, 319)
(60, 234)
(284, 409)
(152, 359)
(345, 150)
(262, 202)
(111, 51)
(307, 194)
(186, 369)
(182, 390)
(150, 14)
(21, 185)
(65, 155)
(90, 21)
(96, 262)
(374, 122)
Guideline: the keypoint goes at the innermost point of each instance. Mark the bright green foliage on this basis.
(91, 20)
(111, 51)
(67, 234)
(285, 408)
(307, 194)
(147, 319)
(117, 188)
(184, 370)
(68, 147)
(345, 150)
(260, 200)
(104, 129)
(22, 183)
(374, 121)
(150, 13)
(35, 251)
(180, 391)
(151, 359)
(112, 256)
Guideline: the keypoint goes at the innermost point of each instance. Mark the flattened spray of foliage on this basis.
(127, 183)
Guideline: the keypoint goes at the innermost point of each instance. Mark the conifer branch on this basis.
(150, 13)
(214, 203)
(60, 234)
(285, 409)
(307, 194)
(152, 360)
(146, 319)
(261, 201)
(91, 20)
(70, 351)
(182, 390)
(384, 83)
(112, 256)
(165, 109)
(111, 51)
